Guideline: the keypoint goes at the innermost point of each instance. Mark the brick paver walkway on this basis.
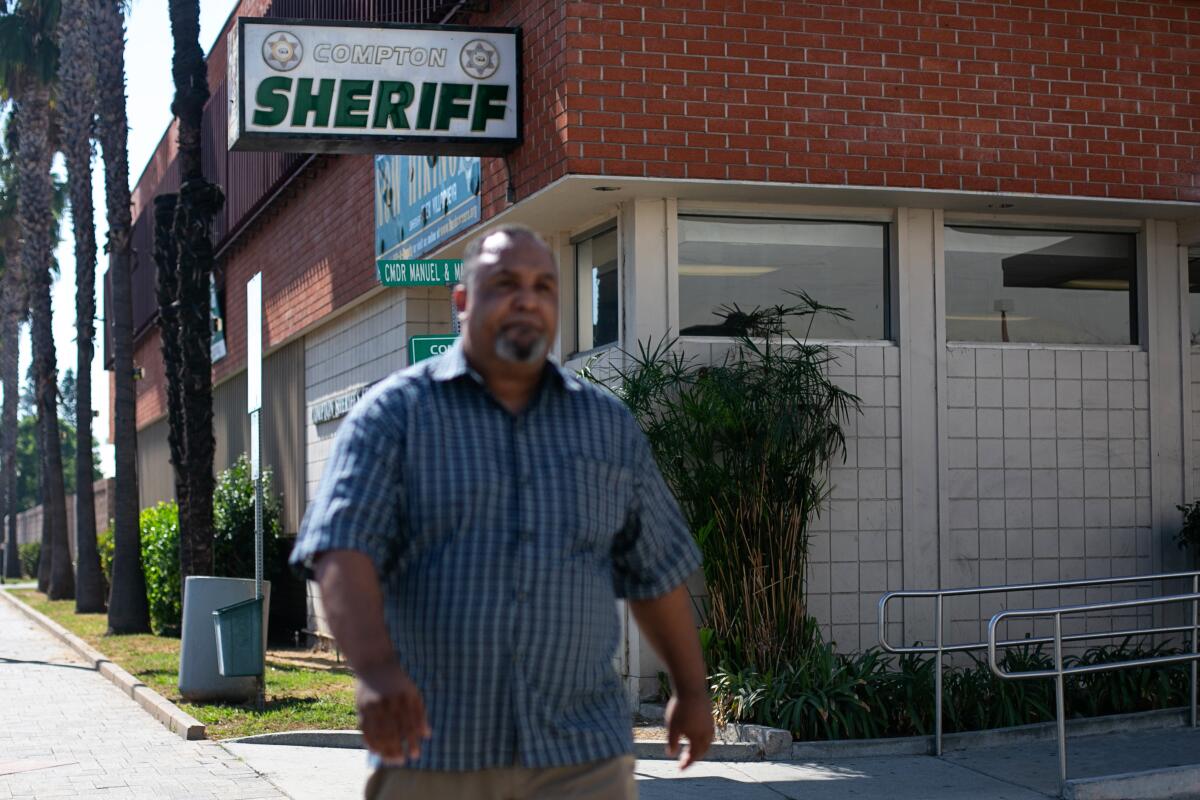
(65, 731)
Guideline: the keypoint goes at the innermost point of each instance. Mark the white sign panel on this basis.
(254, 343)
(407, 89)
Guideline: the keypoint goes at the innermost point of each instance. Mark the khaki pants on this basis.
(598, 780)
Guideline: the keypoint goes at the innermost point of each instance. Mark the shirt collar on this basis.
(453, 364)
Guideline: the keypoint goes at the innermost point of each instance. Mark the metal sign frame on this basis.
(367, 143)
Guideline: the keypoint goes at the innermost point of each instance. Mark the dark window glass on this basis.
(1056, 287)
(596, 291)
(753, 263)
(1194, 292)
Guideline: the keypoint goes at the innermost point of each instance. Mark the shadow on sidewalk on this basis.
(6, 660)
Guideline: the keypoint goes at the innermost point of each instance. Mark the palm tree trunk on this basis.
(198, 202)
(127, 609)
(11, 295)
(35, 216)
(166, 258)
(77, 103)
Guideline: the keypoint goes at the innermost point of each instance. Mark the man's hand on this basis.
(391, 713)
(690, 717)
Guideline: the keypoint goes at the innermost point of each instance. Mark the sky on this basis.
(149, 88)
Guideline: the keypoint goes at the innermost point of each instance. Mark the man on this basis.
(478, 518)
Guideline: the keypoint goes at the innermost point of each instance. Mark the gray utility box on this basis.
(200, 678)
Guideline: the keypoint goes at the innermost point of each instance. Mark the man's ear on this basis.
(460, 298)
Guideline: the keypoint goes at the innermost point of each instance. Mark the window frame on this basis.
(592, 232)
(882, 218)
(1137, 316)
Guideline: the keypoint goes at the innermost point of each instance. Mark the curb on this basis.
(643, 749)
(177, 721)
(968, 740)
(1160, 784)
(651, 750)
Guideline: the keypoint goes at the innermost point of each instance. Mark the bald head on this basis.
(484, 248)
(507, 298)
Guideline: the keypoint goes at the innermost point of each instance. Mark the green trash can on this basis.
(239, 638)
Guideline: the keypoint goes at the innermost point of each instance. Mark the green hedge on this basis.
(160, 562)
(106, 546)
(233, 542)
(28, 554)
(233, 523)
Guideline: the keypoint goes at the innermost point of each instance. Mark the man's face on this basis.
(511, 304)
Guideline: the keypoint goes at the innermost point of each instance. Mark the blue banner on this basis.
(421, 201)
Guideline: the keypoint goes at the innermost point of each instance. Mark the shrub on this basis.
(233, 523)
(1188, 537)
(160, 562)
(870, 694)
(28, 555)
(744, 444)
(106, 545)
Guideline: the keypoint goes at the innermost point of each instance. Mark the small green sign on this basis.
(423, 347)
(436, 272)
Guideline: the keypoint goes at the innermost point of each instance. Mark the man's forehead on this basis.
(506, 250)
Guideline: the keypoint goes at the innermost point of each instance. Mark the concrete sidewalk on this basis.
(313, 773)
(1016, 772)
(66, 732)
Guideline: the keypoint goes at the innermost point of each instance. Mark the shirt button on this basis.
(521, 596)
(525, 536)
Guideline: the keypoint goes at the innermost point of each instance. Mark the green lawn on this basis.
(302, 691)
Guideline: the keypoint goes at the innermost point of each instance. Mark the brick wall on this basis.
(1066, 97)
(313, 245)
(542, 158)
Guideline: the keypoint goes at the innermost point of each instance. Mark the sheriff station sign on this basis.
(405, 89)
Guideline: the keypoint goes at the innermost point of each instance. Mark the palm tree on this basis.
(77, 111)
(127, 609)
(12, 310)
(197, 203)
(30, 58)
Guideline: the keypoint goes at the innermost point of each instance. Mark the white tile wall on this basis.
(356, 349)
(1195, 389)
(854, 554)
(360, 347)
(1048, 457)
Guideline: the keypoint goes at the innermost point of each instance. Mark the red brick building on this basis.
(1002, 193)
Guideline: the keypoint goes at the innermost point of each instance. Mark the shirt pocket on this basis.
(601, 495)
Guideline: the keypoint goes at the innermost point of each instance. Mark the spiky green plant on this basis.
(745, 445)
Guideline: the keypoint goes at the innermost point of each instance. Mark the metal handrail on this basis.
(1060, 672)
(939, 649)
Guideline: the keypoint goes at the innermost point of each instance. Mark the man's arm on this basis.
(390, 710)
(667, 623)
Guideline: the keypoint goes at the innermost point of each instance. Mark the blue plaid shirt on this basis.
(502, 543)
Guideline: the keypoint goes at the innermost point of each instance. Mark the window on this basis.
(1056, 287)
(752, 263)
(596, 291)
(1194, 293)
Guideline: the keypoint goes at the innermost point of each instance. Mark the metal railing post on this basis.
(1195, 644)
(1060, 701)
(937, 690)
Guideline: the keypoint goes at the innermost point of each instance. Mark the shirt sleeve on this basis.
(655, 552)
(359, 503)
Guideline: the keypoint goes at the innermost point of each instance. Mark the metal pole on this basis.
(256, 470)
(1195, 644)
(937, 691)
(1060, 703)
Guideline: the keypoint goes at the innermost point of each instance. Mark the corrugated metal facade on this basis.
(282, 435)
